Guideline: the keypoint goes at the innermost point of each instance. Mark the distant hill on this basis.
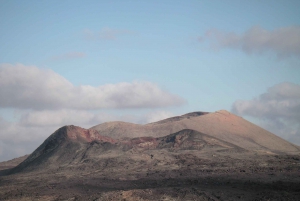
(222, 125)
(71, 146)
(188, 157)
(12, 163)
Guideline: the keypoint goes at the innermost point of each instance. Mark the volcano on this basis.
(183, 157)
(222, 125)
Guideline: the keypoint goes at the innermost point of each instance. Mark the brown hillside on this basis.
(221, 125)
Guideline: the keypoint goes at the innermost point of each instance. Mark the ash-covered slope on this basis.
(61, 148)
(74, 147)
(119, 130)
(78, 148)
(221, 125)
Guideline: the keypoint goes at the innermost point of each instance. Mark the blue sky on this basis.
(73, 62)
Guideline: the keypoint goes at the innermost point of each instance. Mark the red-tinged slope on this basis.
(221, 125)
(75, 147)
(72, 146)
(63, 147)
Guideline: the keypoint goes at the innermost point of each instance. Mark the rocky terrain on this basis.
(197, 156)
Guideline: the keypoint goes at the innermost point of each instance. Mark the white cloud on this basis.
(281, 100)
(57, 118)
(24, 136)
(157, 116)
(278, 110)
(44, 101)
(39, 125)
(283, 41)
(15, 132)
(83, 118)
(17, 140)
(29, 87)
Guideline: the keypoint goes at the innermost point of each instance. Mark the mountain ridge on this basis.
(70, 145)
(200, 131)
(221, 124)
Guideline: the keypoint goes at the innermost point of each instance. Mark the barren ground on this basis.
(177, 176)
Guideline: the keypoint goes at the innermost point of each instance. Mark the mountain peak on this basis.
(221, 125)
(178, 118)
(223, 111)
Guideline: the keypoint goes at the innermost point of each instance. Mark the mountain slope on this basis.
(221, 124)
(65, 145)
(207, 156)
(72, 146)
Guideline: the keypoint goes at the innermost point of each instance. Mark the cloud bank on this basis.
(284, 42)
(44, 101)
(278, 110)
(28, 87)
